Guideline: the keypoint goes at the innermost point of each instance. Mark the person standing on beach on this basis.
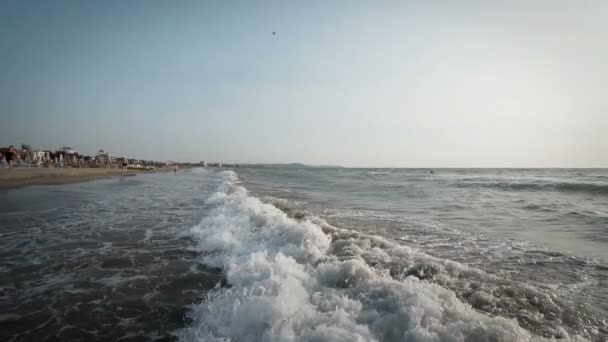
(10, 155)
(175, 169)
(125, 163)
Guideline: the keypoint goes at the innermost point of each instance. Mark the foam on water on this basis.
(305, 280)
(101, 261)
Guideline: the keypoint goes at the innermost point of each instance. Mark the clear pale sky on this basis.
(356, 83)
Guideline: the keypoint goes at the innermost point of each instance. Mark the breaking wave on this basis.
(305, 280)
(591, 188)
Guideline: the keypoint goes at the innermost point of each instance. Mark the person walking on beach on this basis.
(125, 163)
(175, 169)
(10, 155)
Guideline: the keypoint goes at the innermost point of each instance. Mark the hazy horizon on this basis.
(356, 84)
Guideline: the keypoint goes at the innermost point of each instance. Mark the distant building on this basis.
(203, 163)
(103, 157)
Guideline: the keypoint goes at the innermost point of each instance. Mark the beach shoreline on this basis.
(21, 177)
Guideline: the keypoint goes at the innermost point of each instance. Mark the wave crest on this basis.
(289, 281)
(593, 188)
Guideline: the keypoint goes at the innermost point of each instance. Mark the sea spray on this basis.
(285, 284)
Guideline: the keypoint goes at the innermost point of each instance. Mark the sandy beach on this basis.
(45, 176)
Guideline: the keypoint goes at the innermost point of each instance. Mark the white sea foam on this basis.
(290, 282)
(380, 173)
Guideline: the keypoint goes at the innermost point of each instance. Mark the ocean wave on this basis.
(305, 280)
(592, 188)
(378, 173)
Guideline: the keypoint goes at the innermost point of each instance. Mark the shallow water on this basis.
(285, 254)
(102, 260)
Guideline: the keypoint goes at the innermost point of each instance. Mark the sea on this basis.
(293, 253)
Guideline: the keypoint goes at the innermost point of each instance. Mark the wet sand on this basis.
(45, 176)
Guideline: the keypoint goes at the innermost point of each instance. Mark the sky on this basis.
(352, 83)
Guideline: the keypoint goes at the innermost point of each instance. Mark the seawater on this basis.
(310, 254)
